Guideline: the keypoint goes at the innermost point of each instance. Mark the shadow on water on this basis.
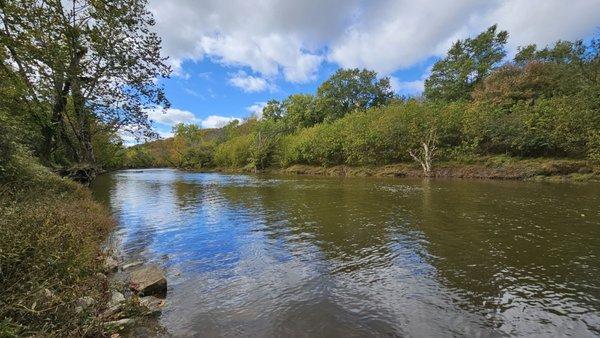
(295, 256)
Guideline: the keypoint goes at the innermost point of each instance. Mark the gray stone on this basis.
(120, 323)
(83, 303)
(148, 281)
(110, 264)
(116, 298)
(132, 265)
(102, 277)
(111, 311)
(153, 304)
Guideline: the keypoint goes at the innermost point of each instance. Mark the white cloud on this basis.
(545, 21)
(271, 37)
(215, 121)
(291, 39)
(170, 116)
(249, 83)
(394, 34)
(256, 109)
(164, 134)
(407, 87)
(410, 88)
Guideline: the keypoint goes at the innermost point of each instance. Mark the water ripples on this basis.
(293, 256)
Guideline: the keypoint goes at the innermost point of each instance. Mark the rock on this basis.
(101, 276)
(111, 311)
(120, 323)
(153, 304)
(132, 264)
(83, 303)
(116, 298)
(110, 264)
(148, 281)
(118, 282)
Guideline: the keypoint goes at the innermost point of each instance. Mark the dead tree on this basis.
(426, 153)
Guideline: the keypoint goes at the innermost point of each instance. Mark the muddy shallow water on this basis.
(309, 256)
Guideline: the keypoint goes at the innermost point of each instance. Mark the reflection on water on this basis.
(298, 256)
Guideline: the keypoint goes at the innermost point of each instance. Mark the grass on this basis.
(52, 232)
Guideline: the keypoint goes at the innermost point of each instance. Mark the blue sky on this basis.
(230, 57)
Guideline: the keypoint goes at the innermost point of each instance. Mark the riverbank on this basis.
(56, 273)
(52, 231)
(497, 167)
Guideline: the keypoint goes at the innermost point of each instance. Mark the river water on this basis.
(290, 256)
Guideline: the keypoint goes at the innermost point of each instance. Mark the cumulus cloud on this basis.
(291, 39)
(256, 109)
(271, 37)
(216, 121)
(171, 116)
(249, 83)
(544, 21)
(410, 88)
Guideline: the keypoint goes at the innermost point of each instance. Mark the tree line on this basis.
(75, 75)
(545, 102)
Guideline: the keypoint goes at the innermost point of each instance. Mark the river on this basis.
(261, 256)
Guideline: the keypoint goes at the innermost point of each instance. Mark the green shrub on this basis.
(234, 153)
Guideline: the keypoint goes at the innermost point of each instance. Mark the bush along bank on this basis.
(55, 279)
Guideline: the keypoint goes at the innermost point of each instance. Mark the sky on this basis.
(230, 57)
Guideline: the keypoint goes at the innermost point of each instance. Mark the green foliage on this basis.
(351, 89)
(108, 149)
(273, 110)
(265, 141)
(138, 157)
(68, 67)
(191, 147)
(468, 62)
(234, 153)
(301, 112)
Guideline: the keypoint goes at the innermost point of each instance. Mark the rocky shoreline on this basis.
(135, 296)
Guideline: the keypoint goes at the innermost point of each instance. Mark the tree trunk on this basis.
(83, 122)
(425, 155)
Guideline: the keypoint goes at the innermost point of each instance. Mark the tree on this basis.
(576, 58)
(273, 110)
(301, 112)
(561, 52)
(351, 89)
(191, 149)
(84, 61)
(423, 135)
(468, 62)
(265, 139)
(512, 83)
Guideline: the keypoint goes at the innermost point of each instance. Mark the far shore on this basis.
(497, 168)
